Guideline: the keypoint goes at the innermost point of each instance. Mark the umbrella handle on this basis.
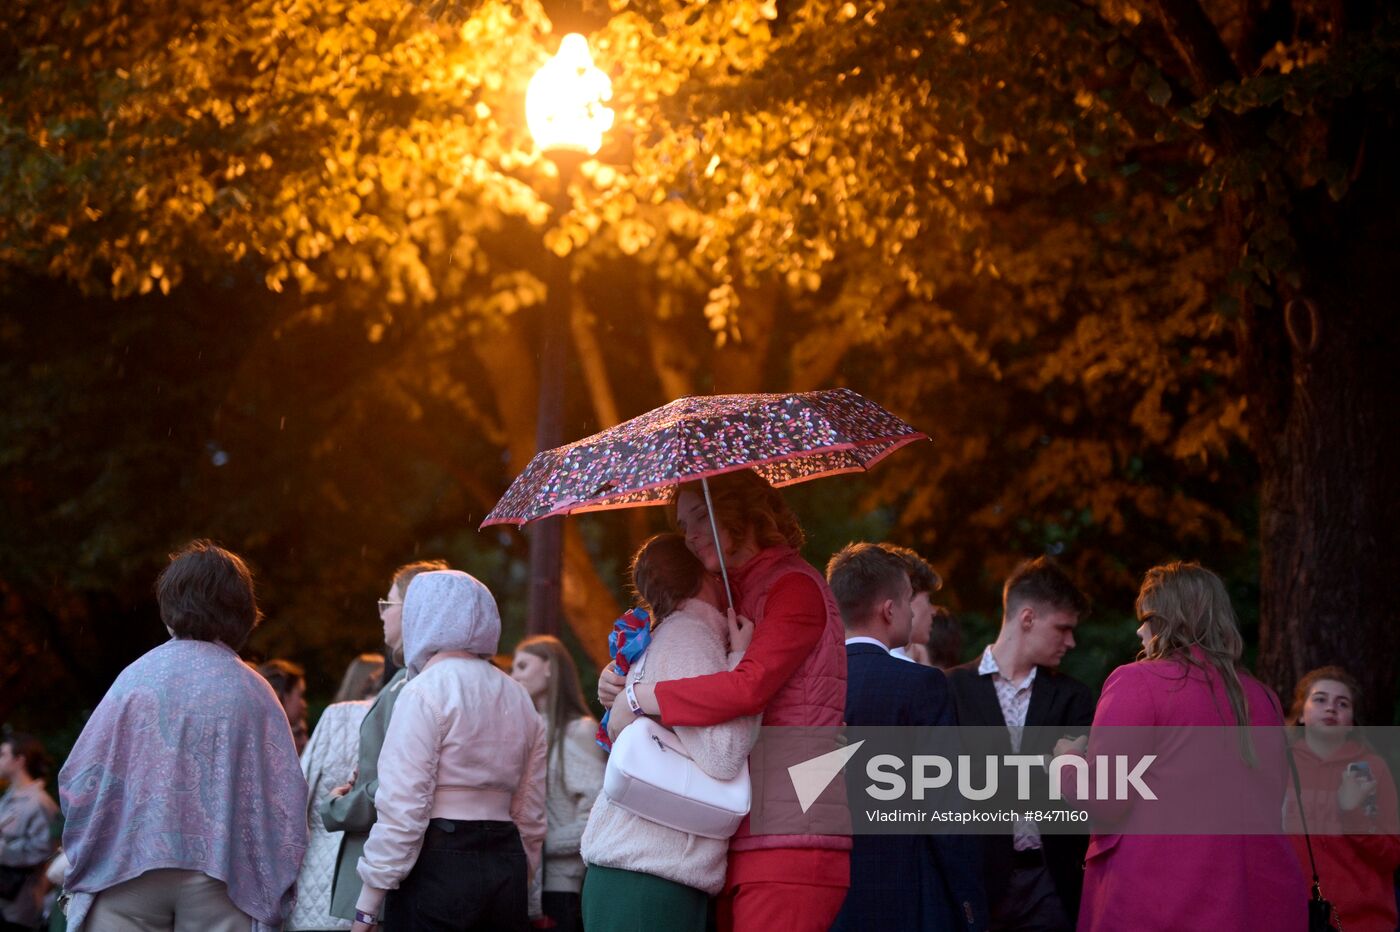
(714, 529)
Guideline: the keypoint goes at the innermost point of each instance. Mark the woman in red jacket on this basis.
(1349, 800)
(794, 673)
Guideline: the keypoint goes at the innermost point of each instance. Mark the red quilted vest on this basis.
(815, 694)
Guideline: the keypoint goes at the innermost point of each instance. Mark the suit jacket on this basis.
(1060, 702)
(902, 882)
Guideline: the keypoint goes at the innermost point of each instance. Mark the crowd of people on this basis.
(440, 791)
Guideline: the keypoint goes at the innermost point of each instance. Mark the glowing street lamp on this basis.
(567, 113)
(565, 102)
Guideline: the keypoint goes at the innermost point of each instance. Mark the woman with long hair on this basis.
(288, 681)
(1187, 677)
(575, 770)
(1348, 800)
(793, 674)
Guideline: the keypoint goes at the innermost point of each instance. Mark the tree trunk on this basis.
(589, 606)
(591, 362)
(742, 366)
(673, 358)
(1327, 434)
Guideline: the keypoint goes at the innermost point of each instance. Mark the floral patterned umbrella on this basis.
(785, 438)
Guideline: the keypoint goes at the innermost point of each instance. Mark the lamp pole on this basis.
(564, 107)
(545, 603)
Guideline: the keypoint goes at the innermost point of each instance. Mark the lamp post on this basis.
(566, 113)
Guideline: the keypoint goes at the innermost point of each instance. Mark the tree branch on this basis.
(1198, 44)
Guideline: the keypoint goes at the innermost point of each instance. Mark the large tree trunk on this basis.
(1326, 384)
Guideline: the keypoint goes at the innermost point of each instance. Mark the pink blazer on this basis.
(1173, 882)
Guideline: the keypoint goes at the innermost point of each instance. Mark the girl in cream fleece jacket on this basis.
(690, 639)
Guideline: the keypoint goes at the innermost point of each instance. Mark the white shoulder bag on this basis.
(650, 775)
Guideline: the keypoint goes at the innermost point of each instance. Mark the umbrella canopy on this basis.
(785, 438)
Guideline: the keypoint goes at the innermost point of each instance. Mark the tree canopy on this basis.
(1063, 237)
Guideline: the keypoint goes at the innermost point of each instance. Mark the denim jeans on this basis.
(469, 876)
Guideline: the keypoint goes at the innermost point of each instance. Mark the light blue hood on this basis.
(448, 610)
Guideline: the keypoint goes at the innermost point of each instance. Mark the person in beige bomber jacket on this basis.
(461, 775)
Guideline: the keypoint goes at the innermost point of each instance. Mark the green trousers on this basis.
(626, 901)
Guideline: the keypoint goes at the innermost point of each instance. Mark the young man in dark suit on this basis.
(1033, 880)
(913, 882)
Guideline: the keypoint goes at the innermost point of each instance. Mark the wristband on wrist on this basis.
(367, 918)
(632, 702)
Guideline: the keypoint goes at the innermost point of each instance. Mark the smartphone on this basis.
(1360, 768)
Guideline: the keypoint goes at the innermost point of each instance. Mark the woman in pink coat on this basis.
(1215, 779)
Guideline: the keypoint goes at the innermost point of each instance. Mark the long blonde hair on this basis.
(1185, 605)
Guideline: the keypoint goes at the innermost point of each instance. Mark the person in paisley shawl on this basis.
(183, 799)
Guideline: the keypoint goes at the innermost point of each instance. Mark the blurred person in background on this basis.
(349, 808)
(1348, 800)
(925, 582)
(575, 770)
(27, 815)
(330, 755)
(183, 800)
(945, 640)
(362, 679)
(288, 681)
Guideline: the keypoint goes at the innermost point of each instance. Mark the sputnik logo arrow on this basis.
(813, 776)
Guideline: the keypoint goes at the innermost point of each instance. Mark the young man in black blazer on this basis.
(926, 882)
(1033, 880)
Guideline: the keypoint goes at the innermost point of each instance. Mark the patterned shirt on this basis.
(1014, 699)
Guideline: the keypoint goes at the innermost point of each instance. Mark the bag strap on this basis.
(1302, 817)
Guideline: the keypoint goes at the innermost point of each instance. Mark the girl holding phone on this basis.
(1349, 799)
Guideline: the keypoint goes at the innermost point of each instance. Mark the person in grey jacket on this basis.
(350, 808)
(27, 816)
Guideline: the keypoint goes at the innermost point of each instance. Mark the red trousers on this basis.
(783, 889)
